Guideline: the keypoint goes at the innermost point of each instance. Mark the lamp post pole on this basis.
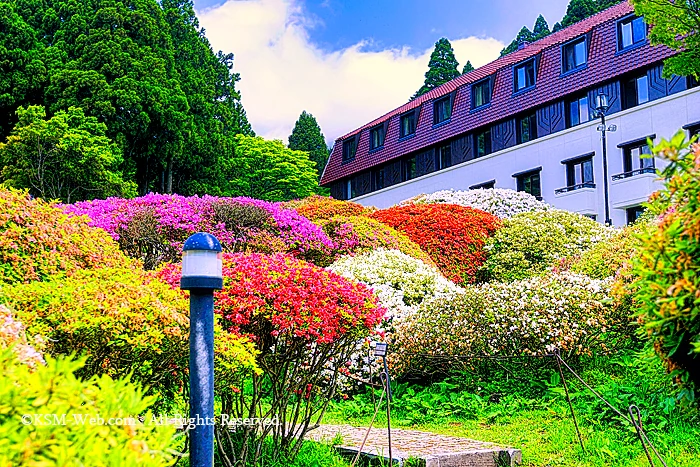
(201, 275)
(601, 108)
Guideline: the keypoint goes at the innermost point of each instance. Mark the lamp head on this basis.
(380, 349)
(201, 263)
(601, 103)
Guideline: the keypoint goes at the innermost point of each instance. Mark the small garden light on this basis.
(201, 275)
(380, 349)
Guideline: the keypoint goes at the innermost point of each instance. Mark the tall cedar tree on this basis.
(307, 136)
(467, 67)
(441, 68)
(675, 24)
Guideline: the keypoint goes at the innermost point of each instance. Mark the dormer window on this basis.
(631, 31)
(574, 55)
(481, 93)
(408, 124)
(376, 137)
(349, 149)
(524, 75)
(442, 110)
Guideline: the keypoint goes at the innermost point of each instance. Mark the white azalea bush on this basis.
(530, 244)
(13, 336)
(402, 283)
(535, 316)
(500, 202)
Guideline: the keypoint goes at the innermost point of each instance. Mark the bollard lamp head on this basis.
(201, 263)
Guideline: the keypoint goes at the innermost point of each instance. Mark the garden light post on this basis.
(380, 350)
(201, 275)
(601, 106)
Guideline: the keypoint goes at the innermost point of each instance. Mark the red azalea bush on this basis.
(453, 236)
(316, 207)
(304, 321)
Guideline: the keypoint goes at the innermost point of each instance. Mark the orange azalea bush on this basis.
(38, 240)
(317, 208)
(453, 236)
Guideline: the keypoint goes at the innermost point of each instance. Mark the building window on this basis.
(483, 143)
(579, 174)
(529, 182)
(376, 137)
(409, 168)
(481, 93)
(578, 111)
(635, 91)
(574, 55)
(524, 75)
(527, 128)
(408, 123)
(631, 31)
(442, 110)
(693, 82)
(484, 186)
(444, 157)
(349, 189)
(349, 149)
(634, 213)
(636, 159)
(693, 130)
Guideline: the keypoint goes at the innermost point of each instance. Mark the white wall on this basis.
(663, 117)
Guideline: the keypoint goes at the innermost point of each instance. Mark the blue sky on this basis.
(348, 62)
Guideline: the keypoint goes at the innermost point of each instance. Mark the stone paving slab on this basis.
(430, 449)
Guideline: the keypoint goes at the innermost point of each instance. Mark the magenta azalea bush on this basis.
(154, 227)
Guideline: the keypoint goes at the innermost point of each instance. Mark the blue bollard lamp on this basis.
(201, 275)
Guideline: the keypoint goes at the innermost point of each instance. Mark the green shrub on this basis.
(38, 240)
(668, 267)
(530, 243)
(116, 439)
(607, 258)
(534, 316)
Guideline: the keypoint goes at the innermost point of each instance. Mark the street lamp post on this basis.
(380, 350)
(201, 275)
(601, 106)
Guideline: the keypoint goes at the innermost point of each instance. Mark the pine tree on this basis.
(467, 67)
(541, 28)
(307, 136)
(525, 35)
(441, 68)
(556, 27)
(579, 10)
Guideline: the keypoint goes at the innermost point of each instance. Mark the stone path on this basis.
(431, 450)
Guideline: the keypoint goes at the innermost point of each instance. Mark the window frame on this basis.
(527, 174)
(531, 62)
(571, 45)
(486, 133)
(437, 104)
(619, 32)
(411, 114)
(569, 113)
(693, 129)
(532, 128)
(643, 165)
(484, 185)
(574, 165)
(372, 131)
(350, 142)
(630, 82)
(440, 154)
(475, 87)
(409, 168)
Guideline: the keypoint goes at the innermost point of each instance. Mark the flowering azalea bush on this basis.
(75, 429)
(317, 207)
(359, 234)
(154, 227)
(530, 243)
(667, 285)
(500, 202)
(13, 336)
(453, 236)
(534, 316)
(300, 318)
(38, 240)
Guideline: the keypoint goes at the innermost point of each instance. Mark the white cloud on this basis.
(283, 73)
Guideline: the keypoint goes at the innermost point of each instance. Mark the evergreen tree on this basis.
(556, 27)
(306, 136)
(467, 67)
(441, 68)
(525, 35)
(579, 10)
(541, 28)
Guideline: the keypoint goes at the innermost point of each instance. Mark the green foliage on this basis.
(115, 440)
(610, 257)
(306, 136)
(668, 267)
(467, 67)
(38, 240)
(578, 10)
(66, 157)
(268, 170)
(676, 25)
(530, 243)
(442, 67)
(530, 317)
